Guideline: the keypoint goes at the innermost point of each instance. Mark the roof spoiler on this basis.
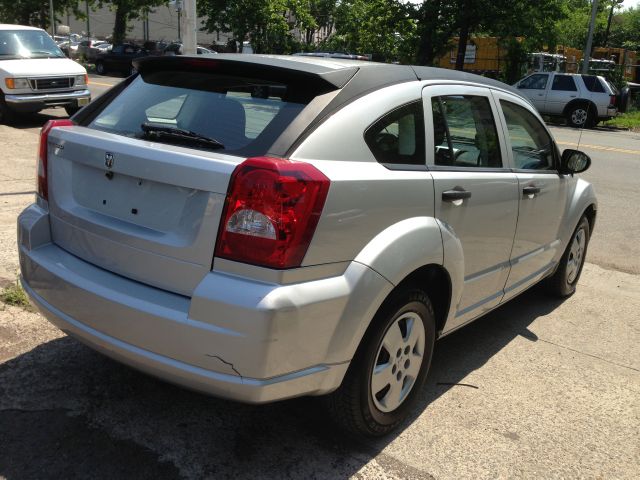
(265, 68)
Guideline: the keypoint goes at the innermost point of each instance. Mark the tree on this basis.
(34, 12)
(436, 24)
(625, 29)
(268, 24)
(385, 29)
(125, 11)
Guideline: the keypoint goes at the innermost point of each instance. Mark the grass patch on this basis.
(14, 295)
(629, 120)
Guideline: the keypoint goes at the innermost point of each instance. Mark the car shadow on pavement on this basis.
(37, 120)
(67, 412)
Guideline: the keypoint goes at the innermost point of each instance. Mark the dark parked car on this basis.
(119, 59)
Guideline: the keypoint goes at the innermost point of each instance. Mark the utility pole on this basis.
(86, 4)
(189, 20)
(179, 10)
(587, 49)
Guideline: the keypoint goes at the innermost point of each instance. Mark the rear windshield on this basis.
(243, 116)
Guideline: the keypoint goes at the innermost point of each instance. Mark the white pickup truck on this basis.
(35, 74)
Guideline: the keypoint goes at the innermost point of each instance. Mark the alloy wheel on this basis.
(398, 362)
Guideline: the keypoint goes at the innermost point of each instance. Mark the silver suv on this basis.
(262, 227)
(583, 100)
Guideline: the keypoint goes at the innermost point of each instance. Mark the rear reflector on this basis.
(272, 209)
(42, 186)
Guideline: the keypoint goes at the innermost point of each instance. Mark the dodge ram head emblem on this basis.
(108, 159)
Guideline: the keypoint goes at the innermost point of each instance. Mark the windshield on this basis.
(27, 44)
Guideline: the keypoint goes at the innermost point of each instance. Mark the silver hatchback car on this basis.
(263, 227)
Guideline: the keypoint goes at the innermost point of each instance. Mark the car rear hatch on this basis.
(138, 186)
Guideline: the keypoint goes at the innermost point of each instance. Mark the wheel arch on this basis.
(434, 280)
(591, 107)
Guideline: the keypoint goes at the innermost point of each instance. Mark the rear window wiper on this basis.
(160, 133)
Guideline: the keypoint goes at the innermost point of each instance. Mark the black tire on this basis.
(7, 116)
(71, 111)
(100, 68)
(352, 405)
(581, 115)
(563, 282)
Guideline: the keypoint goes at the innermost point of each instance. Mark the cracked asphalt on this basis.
(537, 389)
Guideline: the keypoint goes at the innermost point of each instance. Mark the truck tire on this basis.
(7, 116)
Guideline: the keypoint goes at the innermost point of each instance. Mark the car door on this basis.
(534, 87)
(111, 59)
(476, 194)
(563, 89)
(542, 193)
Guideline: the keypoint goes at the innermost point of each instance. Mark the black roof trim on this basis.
(273, 68)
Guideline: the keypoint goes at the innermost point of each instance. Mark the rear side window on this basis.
(593, 83)
(464, 132)
(563, 82)
(245, 116)
(398, 137)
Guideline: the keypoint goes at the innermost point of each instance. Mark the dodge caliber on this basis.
(264, 227)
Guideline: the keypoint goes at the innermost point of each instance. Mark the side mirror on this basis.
(574, 161)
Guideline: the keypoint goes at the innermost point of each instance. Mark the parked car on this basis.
(343, 55)
(176, 49)
(264, 227)
(583, 100)
(89, 49)
(35, 74)
(119, 59)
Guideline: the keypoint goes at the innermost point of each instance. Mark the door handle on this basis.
(530, 190)
(455, 194)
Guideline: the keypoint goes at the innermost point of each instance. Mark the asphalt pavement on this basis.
(539, 388)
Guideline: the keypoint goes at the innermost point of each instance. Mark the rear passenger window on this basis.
(464, 132)
(593, 83)
(531, 144)
(563, 82)
(398, 137)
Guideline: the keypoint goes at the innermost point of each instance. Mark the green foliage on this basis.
(35, 12)
(268, 24)
(125, 11)
(625, 29)
(14, 295)
(384, 29)
(629, 120)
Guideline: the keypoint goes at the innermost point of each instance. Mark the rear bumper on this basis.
(39, 101)
(234, 338)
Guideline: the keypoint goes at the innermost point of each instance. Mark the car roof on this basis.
(9, 26)
(338, 71)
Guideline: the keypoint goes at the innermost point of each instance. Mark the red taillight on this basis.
(272, 209)
(42, 185)
(612, 100)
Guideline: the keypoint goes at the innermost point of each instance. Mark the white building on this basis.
(161, 24)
